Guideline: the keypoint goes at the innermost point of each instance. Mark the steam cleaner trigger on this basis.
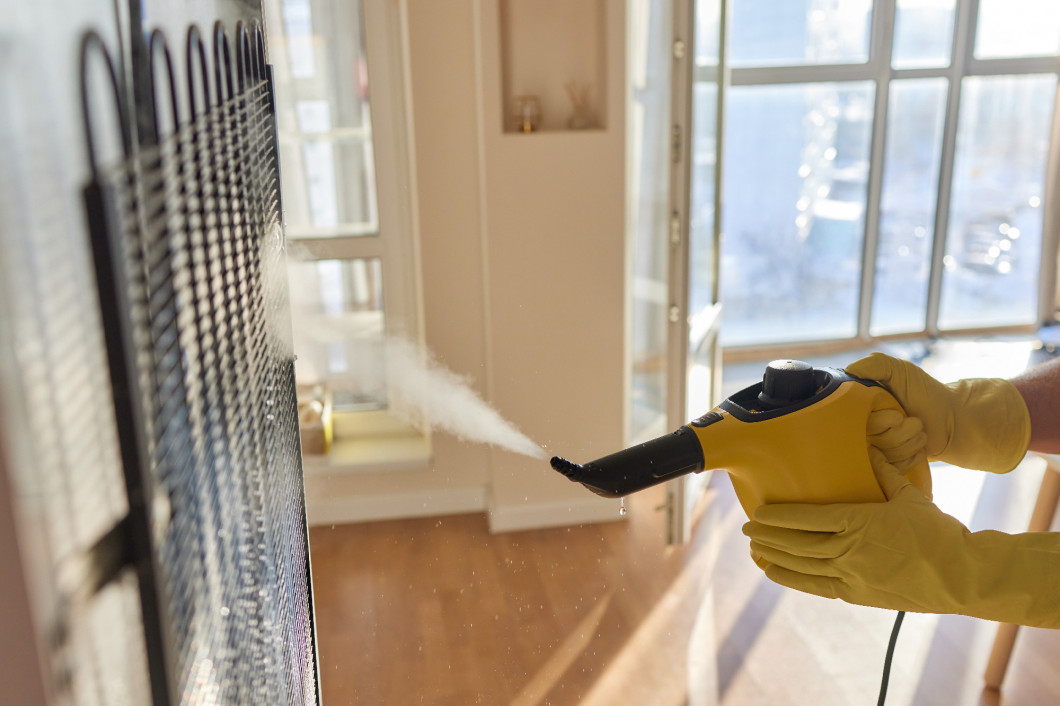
(799, 436)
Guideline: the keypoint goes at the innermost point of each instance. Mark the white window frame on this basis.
(878, 69)
(395, 243)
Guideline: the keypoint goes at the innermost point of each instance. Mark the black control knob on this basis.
(787, 382)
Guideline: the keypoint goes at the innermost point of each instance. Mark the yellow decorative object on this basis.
(315, 421)
(526, 113)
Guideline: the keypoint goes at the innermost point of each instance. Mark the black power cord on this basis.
(890, 656)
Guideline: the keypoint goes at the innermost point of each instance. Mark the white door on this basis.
(674, 167)
(698, 52)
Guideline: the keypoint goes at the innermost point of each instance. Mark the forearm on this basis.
(1040, 388)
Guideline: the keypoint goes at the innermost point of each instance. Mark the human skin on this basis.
(1040, 388)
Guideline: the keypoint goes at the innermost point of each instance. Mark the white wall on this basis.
(522, 243)
(555, 239)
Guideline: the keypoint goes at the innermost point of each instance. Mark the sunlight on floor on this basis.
(651, 666)
(563, 657)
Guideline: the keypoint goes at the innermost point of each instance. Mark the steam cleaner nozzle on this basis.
(637, 467)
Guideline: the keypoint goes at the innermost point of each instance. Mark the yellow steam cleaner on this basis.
(799, 436)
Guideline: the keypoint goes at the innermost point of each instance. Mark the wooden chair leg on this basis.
(1041, 520)
(1000, 654)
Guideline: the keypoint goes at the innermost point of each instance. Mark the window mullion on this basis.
(778, 75)
(336, 248)
(964, 41)
(1014, 66)
(963, 46)
(906, 74)
(1047, 289)
(880, 54)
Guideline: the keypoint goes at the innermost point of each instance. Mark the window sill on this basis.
(366, 442)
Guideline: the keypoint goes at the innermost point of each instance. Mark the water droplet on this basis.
(622, 506)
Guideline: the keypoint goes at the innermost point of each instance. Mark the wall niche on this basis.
(553, 65)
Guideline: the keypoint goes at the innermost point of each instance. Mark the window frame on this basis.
(395, 241)
(390, 138)
(880, 71)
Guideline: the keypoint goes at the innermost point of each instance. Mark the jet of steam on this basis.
(412, 384)
(426, 393)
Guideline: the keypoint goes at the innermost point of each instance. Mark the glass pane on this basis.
(1008, 28)
(708, 34)
(915, 118)
(993, 246)
(328, 188)
(923, 33)
(339, 328)
(326, 157)
(795, 182)
(702, 277)
(788, 32)
(701, 216)
(649, 113)
(318, 50)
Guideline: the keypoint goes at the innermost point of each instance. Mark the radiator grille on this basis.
(190, 254)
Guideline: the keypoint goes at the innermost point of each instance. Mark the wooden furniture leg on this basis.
(1041, 520)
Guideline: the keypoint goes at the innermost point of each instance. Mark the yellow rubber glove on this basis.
(979, 423)
(906, 554)
(901, 439)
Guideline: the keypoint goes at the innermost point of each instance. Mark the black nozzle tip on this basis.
(567, 468)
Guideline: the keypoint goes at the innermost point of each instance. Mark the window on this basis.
(886, 175)
(324, 120)
(915, 115)
(785, 33)
(796, 170)
(995, 226)
(346, 205)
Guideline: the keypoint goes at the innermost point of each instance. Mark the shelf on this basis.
(554, 51)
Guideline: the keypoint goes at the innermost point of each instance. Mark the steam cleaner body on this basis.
(799, 436)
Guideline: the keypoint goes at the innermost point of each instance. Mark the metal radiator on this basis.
(205, 560)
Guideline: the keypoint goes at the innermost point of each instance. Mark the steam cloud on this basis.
(426, 393)
(390, 370)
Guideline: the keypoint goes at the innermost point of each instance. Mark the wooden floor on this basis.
(439, 611)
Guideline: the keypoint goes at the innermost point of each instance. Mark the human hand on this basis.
(906, 554)
(901, 438)
(979, 423)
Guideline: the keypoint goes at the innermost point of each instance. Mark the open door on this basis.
(674, 147)
(699, 77)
